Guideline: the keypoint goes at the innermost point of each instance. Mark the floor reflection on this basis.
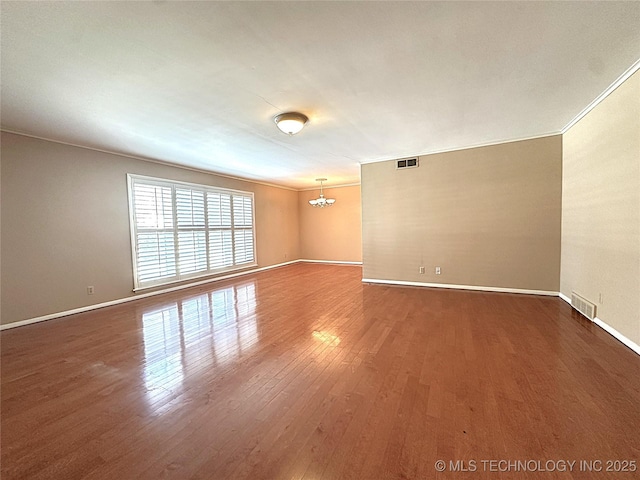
(209, 330)
(326, 337)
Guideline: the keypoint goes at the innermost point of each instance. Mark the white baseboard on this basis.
(606, 327)
(463, 287)
(332, 262)
(610, 330)
(88, 308)
(617, 335)
(96, 306)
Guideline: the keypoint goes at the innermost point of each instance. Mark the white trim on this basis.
(132, 234)
(164, 181)
(463, 287)
(151, 160)
(170, 164)
(609, 329)
(564, 297)
(457, 149)
(617, 335)
(197, 276)
(132, 298)
(96, 306)
(332, 262)
(619, 81)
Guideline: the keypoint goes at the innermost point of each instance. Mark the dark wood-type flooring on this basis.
(303, 372)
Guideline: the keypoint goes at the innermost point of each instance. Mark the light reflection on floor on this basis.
(326, 337)
(202, 332)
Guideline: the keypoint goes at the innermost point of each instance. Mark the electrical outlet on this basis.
(421, 269)
(90, 290)
(600, 298)
(437, 270)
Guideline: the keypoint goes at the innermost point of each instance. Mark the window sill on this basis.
(210, 276)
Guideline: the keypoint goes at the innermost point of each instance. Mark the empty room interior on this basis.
(320, 240)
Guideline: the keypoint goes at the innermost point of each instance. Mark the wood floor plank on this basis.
(304, 372)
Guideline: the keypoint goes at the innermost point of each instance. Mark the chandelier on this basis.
(321, 201)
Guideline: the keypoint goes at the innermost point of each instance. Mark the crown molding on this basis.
(150, 160)
(469, 147)
(619, 81)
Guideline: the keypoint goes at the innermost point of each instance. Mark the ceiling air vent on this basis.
(584, 306)
(407, 163)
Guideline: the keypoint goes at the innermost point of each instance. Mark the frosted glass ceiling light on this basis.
(291, 122)
(322, 202)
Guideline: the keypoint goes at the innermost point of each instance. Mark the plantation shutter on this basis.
(243, 229)
(155, 251)
(192, 242)
(220, 234)
(181, 231)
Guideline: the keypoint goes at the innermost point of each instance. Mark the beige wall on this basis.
(335, 233)
(65, 224)
(487, 216)
(601, 209)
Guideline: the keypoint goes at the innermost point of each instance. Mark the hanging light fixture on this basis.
(290, 122)
(321, 201)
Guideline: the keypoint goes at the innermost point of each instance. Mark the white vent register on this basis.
(584, 306)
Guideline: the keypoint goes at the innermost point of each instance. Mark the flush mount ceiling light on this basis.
(322, 202)
(291, 122)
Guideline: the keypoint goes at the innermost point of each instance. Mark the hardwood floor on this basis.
(303, 372)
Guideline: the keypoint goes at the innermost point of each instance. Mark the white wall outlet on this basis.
(421, 269)
(90, 290)
(600, 298)
(437, 270)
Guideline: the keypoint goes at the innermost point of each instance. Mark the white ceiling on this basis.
(199, 83)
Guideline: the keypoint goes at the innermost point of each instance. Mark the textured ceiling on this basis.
(198, 83)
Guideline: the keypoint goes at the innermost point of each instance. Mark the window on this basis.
(181, 231)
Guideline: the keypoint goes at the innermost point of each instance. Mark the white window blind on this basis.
(181, 231)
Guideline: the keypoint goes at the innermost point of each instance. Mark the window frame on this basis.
(132, 179)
